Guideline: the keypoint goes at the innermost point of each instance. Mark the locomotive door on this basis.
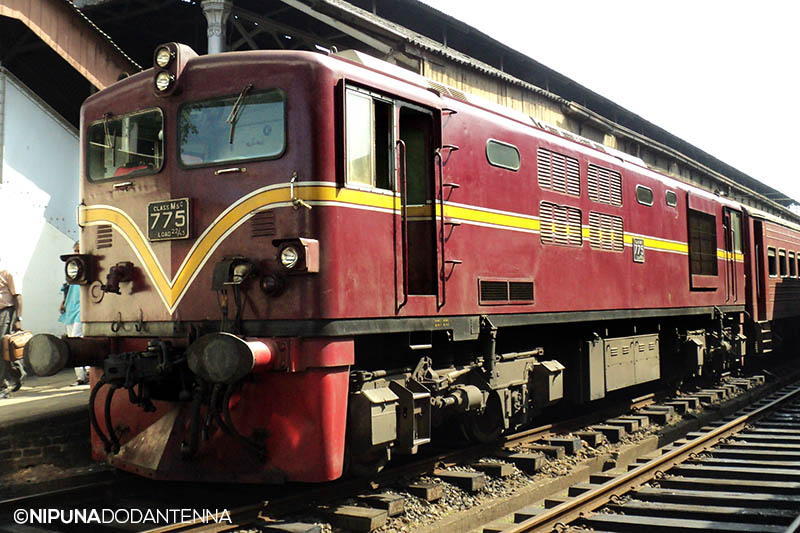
(732, 224)
(415, 169)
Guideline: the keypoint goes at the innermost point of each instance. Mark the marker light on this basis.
(163, 80)
(163, 57)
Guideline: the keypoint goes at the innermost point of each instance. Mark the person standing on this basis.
(10, 320)
(70, 310)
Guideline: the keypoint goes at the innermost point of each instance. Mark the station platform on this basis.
(44, 425)
(43, 397)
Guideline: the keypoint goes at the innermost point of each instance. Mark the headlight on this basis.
(163, 57)
(163, 80)
(74, 269)
(289, 257)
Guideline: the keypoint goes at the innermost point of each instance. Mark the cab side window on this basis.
(368, 140)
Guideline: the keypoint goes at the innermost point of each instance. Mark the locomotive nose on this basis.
(225, 358)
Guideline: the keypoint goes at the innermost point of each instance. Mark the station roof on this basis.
(397, 29)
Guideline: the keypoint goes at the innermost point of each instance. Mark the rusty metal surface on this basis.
(73, 37)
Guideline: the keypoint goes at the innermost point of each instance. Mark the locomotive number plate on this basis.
(638, 250)
(168, 219)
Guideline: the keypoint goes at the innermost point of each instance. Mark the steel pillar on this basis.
(216, 13)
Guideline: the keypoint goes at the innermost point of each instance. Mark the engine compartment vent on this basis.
(104, 237)
(262, 224)
(606, 232)
(497, 291)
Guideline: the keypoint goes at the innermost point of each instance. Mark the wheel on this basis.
(486, 426)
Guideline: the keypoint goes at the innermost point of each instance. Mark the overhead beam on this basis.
(280, 28)
(73, 37)
(246, 36)
(377, 44)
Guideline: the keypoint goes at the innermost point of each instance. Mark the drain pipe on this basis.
(216, 13)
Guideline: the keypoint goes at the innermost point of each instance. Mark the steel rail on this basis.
(589, 501)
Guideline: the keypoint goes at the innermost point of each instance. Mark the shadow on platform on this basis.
(43, 396)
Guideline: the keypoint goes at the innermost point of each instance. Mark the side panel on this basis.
(782, 287)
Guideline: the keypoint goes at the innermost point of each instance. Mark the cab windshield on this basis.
(126, 145)
(233, 128)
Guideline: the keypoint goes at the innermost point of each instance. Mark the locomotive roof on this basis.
(360, 60)
(552, 133)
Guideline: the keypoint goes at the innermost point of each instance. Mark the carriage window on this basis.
(672, 198)
(127, 145)
(233, 128)
(782, 263)
(644, 195)
(369, 140)
(736, 230)
(702, 243)
(772, 263)
(792, 266)
(503, 155)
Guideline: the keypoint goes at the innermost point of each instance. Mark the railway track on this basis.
(742, 475)
(469, 469)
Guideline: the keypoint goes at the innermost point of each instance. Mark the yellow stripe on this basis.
(171, 291)
(723, 254)
(659, 244)
(93, 215)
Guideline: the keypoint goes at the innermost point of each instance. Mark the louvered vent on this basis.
(445, 90)
(263, 224)
(604, 185)
(558, 172)
(438, 87)
(560, 224)
(458, 95)
(494, 291)
(505, 291)
(606, 232)
(104, 237)
(520, 291)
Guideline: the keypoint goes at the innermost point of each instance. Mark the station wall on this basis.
(38, 200)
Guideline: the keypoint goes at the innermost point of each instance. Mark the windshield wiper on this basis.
(237, 107)
(110, 142)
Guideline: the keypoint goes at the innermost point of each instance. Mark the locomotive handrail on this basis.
(404, 221)
(438, 155)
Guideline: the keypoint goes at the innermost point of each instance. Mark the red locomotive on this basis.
(293, 264)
